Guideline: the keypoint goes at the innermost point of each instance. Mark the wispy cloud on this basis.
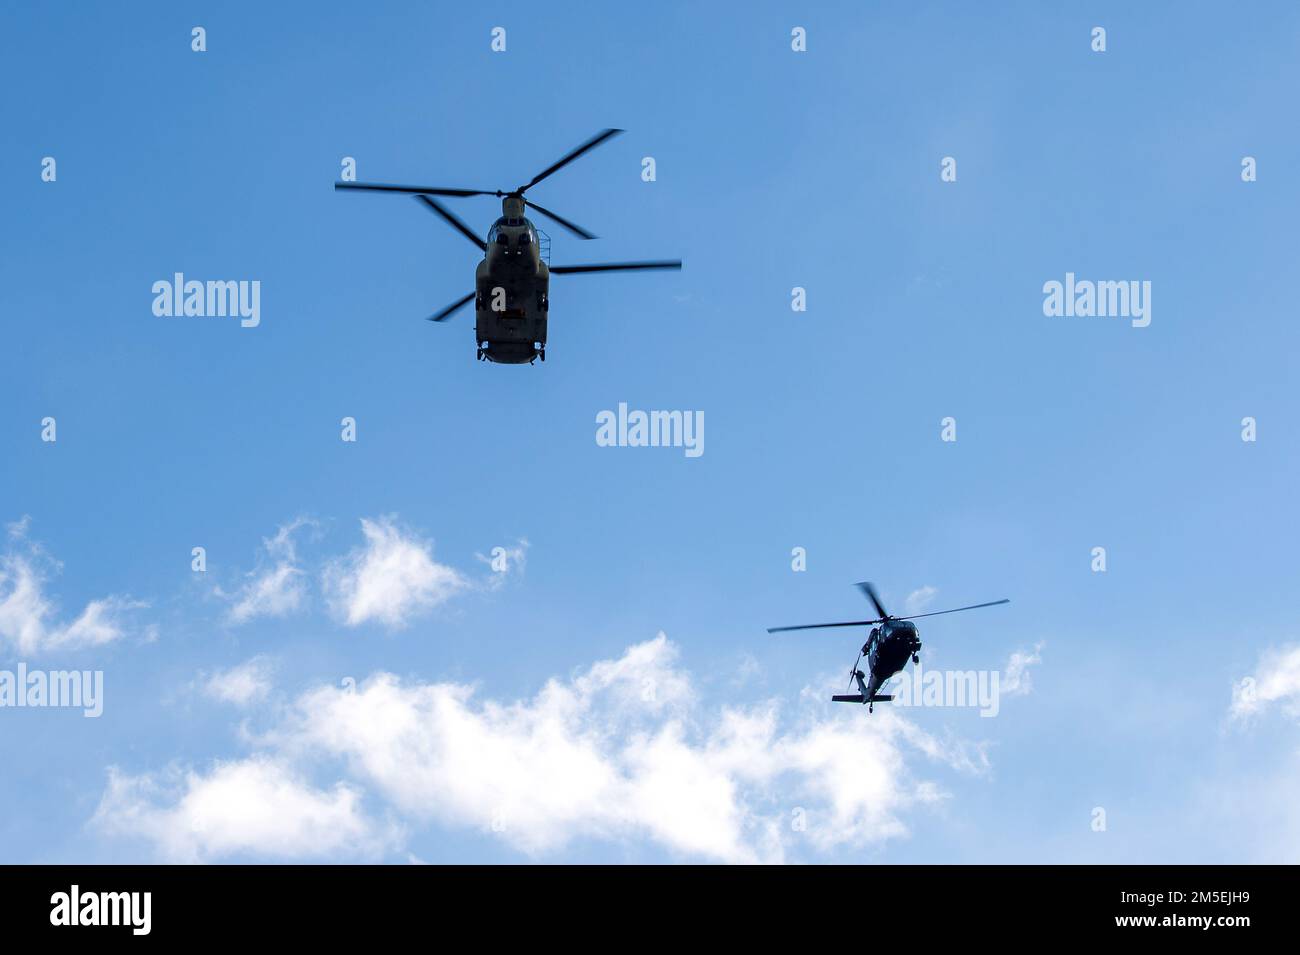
(391, 579)
(919, 600)
(278, 586)
(242, 685)
(1016, 678)
(29, 619)
(505, 562)
(1276, 682)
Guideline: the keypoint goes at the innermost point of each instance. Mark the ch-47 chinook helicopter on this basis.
(887, 648)
(512, 282)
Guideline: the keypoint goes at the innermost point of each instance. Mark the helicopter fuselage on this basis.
(512, 283)
(511, 292)
(887, 651)
(887, 647)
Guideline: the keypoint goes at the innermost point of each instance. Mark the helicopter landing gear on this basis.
(541, 353)
(480, 354)
(916, 658)
(871, 707)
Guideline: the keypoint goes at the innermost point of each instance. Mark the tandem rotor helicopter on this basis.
(887, 648)
(512, 282)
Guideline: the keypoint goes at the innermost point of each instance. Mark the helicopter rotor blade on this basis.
(854, 671)
(822, 626)
(675, 264)
(569, 157)
(413, 190)
(573, 227)
(869, 589)
(935, 613)
(452, 220)
(447, 312)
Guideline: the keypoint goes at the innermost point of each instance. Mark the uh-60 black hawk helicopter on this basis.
(887, 647)
(512, 284)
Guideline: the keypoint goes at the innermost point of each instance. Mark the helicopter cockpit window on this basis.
(526, 237)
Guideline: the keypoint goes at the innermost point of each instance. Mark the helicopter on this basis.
(512, 282)
(887, 647)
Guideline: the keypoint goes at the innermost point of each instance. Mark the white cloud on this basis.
(919, 600)
(27, 616)
(252, 807)
(391, 579)
(622, 751)
(279, 586)
(23, 609)
(1276, 681)
(1015, 678)
(505, 561)
(241, 685)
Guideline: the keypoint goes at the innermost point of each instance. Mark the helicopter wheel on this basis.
(871, 707)
(542, 354)
(916, 658)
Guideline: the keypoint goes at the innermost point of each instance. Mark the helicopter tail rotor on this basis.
(854, 671)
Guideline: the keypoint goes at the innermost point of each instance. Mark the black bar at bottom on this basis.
(516, 905)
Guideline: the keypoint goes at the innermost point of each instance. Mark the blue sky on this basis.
(775, 169)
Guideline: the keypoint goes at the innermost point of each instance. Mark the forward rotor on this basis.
(453, 192)
(869, 590)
